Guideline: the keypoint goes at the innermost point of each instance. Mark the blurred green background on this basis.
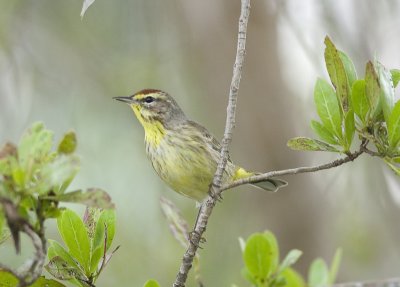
(64, 71)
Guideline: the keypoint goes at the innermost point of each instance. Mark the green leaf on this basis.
(323, 133)
(257, 256)
(359, 100)
(394, 126)
(395, 168)
(292, 278)
(90, 219)
(78, 283)
(8, 151)
(19, 176)
(349, 128)
(278, 281)
(50, 209)
(328, 107)
(349, 68)
(93, 197)
(307, 144)
(151, 283)
(5, 168)
(318, 274)
(372, 91)
(386, 88)
(34, 148)
(55, 249)
(290, 259)
(43, 282)
(248, 276)
(337, 73)
(395, 77)
(7, 279)
(28, 202)
(75, 236)
(97, 255)
(337, 258)
(274, 249)
(60, 269)
(107, 219)
(176, 223)
(106, 222)
(55, 173)
(68, 143)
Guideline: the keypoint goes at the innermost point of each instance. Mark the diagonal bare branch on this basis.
(215, 189)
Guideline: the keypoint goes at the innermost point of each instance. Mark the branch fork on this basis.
(216, 188)
(18, 224)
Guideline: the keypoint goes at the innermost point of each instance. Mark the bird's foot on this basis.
(215, 196)
(196, 239)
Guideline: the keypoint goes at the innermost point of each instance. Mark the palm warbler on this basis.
(183, 153)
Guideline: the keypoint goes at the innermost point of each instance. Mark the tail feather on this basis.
(272, 184)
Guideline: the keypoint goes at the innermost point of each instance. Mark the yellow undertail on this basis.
(271, 184)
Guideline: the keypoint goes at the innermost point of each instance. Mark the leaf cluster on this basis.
(34, 178)
(87, 242)
(263, 267)
(349, 105)
(9, 280)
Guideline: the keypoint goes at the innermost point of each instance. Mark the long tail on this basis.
(271, 184)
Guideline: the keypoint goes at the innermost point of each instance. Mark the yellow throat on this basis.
(154, 131)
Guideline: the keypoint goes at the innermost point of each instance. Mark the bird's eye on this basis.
(148, 100)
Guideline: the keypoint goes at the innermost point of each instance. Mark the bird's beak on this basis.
(128, 100)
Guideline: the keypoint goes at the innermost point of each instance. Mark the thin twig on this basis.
(38, 239)
(105, 248)
(215, 189)
(371, 152)
(393, 282)
(265, 176)
(39, 242)
(36, 267)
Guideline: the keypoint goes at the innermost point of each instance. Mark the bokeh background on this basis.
(64, 71)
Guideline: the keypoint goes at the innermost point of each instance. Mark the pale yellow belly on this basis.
(185, 171)
(188, 171)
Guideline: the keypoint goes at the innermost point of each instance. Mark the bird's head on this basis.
(152, 106)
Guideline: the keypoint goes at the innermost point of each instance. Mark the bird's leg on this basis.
(193, 235)
(195, 240)
(216, 197)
